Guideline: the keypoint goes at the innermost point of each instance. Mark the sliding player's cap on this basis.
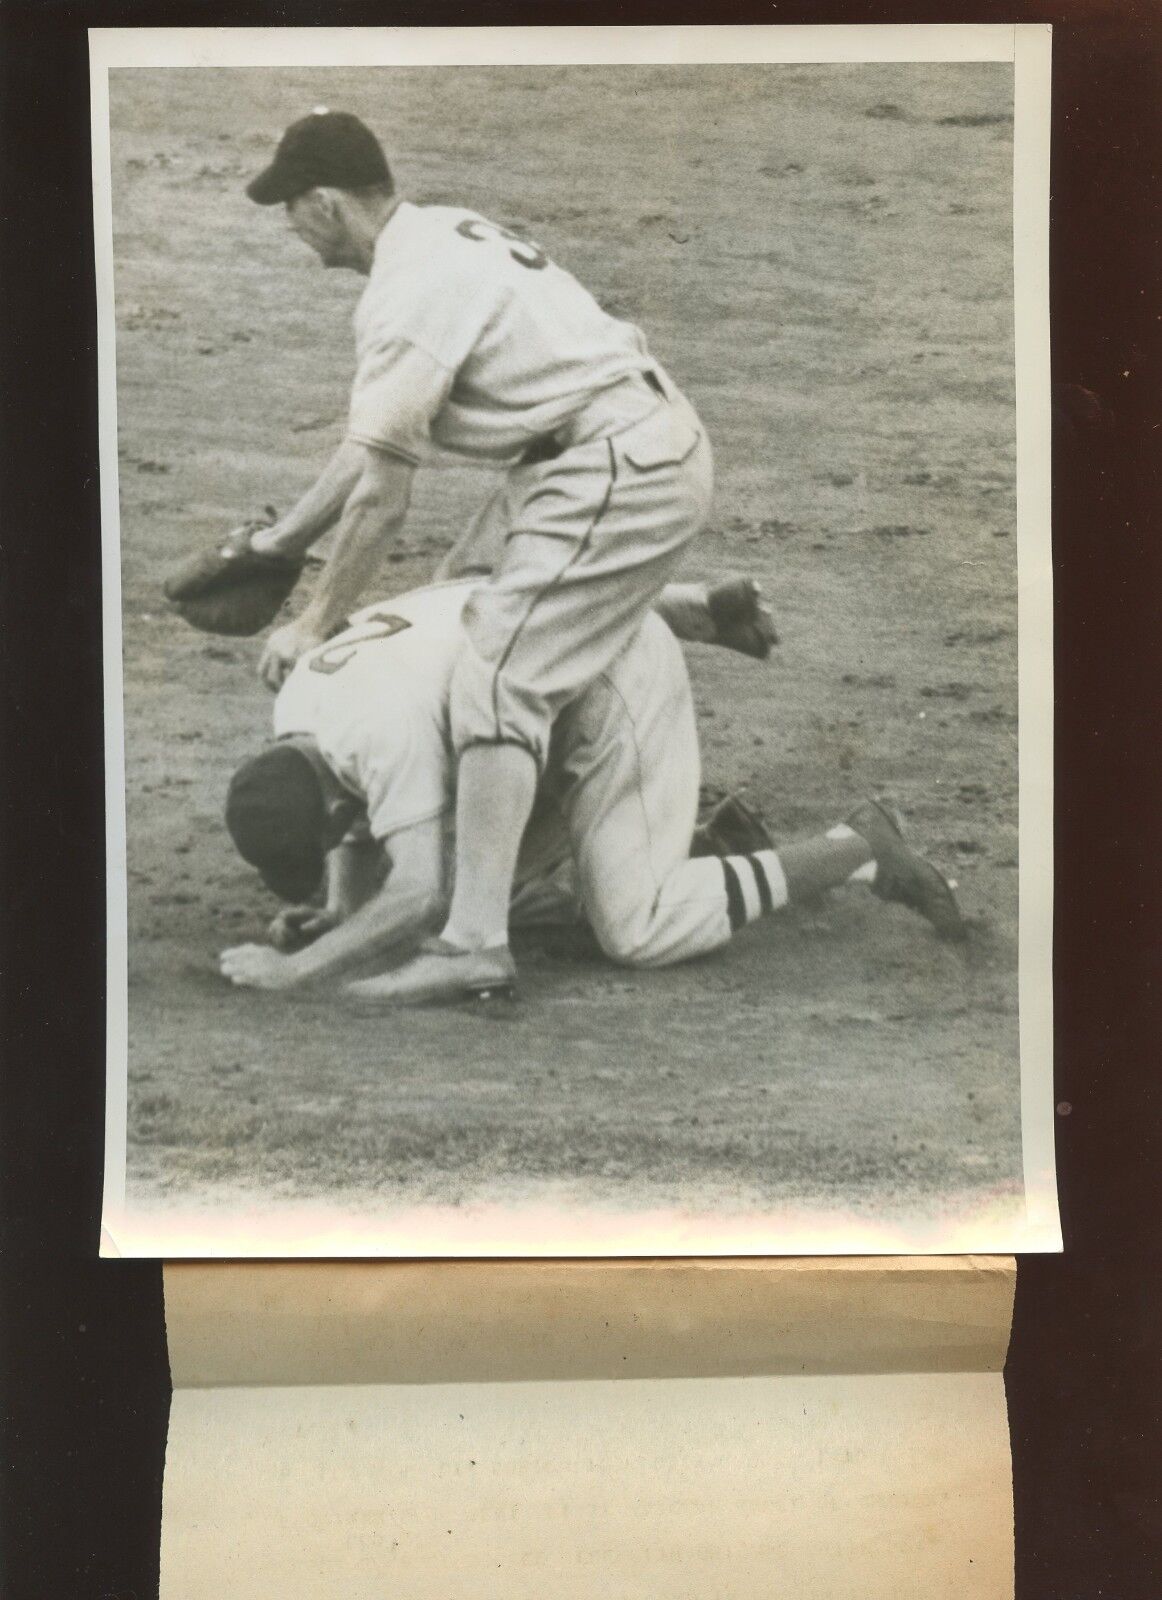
(277, 816)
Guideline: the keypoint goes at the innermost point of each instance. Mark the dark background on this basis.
(85, 1382)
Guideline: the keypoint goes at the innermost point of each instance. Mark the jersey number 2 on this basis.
(523, 251)
(381, 625)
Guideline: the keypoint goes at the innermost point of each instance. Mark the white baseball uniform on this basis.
(620, 788)
(470, 341)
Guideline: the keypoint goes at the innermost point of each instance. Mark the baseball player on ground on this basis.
(362, 730)
(473, 343)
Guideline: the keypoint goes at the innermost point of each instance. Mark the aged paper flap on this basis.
(423, 1322)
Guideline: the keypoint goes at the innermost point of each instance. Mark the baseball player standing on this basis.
(471, 341)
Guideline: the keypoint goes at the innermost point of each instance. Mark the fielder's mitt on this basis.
(730, 828)
(231, 588)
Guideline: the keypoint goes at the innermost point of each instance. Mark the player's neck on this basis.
(366, 223)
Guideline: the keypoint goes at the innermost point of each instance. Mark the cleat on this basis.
(732, 828)
(904, 876)
(741, 621)
(442, 974)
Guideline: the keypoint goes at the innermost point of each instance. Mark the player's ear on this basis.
(327, 203)
(310, 207)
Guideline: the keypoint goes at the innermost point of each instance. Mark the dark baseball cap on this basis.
(277, 816)
(328, 149)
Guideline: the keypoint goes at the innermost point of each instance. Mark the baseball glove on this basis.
(730, 828)
(231, 588)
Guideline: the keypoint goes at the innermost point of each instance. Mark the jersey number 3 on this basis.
(523, 251)
(380, 625)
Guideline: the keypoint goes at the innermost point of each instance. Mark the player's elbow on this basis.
(383, 487)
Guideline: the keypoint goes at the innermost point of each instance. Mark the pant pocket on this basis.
(664, 439)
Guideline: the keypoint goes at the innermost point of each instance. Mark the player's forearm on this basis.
(397, 914)
(318, 509)
(351, 570)
(372, 518)
(354, 874)
(348, 575)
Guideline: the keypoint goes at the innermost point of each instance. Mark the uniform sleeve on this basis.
(296, 710)
(398, 390)
(408, 780)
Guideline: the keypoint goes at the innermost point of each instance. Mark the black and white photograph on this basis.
(578, 645)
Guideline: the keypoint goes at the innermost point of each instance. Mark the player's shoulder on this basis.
(435, 605)
(430, 229)
(423, 272)
(438, 218)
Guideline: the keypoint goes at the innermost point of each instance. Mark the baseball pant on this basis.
(591, 536)
(622, 788)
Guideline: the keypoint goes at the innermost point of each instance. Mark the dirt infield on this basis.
(822, 258)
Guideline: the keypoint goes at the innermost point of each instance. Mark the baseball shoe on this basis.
(741, 620)
(442, 974)
(731, 828)
(904, 876)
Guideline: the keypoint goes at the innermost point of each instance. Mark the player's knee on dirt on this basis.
(636, 941)
(657, 923)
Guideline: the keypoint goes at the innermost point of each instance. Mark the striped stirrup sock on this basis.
(755, 886)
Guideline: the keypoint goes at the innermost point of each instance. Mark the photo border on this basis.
(317, 1231)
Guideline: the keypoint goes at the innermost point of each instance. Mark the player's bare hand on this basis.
(283, 649)
(299, 926)
(257, 966)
